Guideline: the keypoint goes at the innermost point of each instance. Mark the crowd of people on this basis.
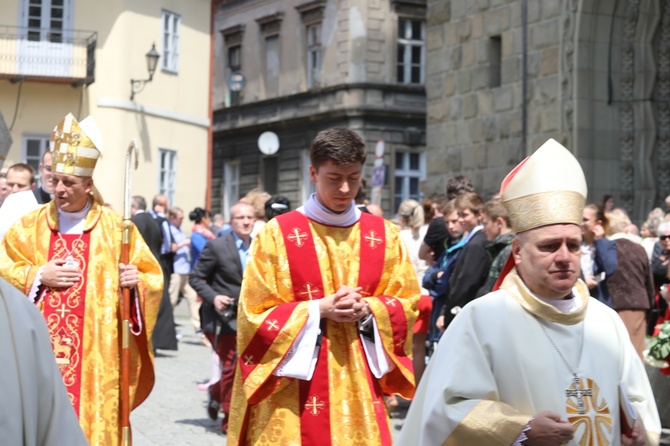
(518, 320)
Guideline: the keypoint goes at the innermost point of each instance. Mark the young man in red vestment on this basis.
(65, 257)
(325, 315)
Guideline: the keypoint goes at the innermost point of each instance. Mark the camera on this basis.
(228, 314)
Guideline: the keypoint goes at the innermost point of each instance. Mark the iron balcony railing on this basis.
(54, 55)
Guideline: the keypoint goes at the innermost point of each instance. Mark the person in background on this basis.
(276, 205)
(413, 228)
(200, 233)
(660, 263)
(5, 190)
(434, 243)
(472, 266)
(217, 278)
(649, 230)
(632, 287)
(599, 255)
(608, 204)
(217, 223)
(257, 198)
(498, 230)
(21, 177)
(182, 268)
(44, 193)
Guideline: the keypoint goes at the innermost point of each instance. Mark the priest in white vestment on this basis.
(538, 362)
(34, 407)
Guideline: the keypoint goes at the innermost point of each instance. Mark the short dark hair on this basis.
(276, 205)
(494, 209)
(459, 185)
(22, 167)
(340, 145)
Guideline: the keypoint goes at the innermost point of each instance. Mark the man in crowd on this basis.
(326, 313)
(217, 278)
(538, 362)
(20, 177)
(44, 193)
(65, 257)
(498, 230)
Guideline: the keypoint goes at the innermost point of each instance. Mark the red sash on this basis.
(63, 309)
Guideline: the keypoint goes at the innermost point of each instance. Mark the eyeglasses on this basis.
(664, 237)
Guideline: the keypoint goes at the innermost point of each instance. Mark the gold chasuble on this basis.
(84, 320)
(296, 260)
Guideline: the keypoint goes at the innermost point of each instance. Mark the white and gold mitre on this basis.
(76, 146)
(546, 188)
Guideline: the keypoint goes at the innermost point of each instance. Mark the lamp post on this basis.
(137, 85)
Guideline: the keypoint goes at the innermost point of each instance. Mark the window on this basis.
(411, 53)
(170, 56)
(270, 174)
(410, 169)
(307, 188)
(271, 66)
(231, 186)
(33, 148)
(168, 174)
(46, 19)
(234, 64)
(313, 55)
(495, 61)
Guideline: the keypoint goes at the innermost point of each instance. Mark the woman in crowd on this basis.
(200, 232)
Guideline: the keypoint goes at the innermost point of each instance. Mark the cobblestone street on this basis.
(175, 414)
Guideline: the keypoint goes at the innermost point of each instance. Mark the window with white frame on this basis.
(411, 51)
(231, 186)
(307, 187)
(46, 20)
(170, 56)
(410, 170)
(314, 55)
(33, 148)
(167, 179)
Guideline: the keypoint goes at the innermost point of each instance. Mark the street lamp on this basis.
(137, 85)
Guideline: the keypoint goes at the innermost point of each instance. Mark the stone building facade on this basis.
(596, 77)
(311, 65)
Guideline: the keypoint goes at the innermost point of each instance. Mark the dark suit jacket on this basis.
(41, 196)
(217, 271)
(151, 232)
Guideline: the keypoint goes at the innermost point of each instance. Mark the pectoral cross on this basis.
(579, 393)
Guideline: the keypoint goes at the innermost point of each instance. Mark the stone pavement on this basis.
(175, 414)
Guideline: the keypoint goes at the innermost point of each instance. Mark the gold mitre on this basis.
(546, 188)
(76, 146)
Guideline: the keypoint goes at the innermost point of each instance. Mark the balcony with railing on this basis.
(47, 55)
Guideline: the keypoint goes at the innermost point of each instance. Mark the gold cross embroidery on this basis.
(248, 360)
(390, 302)
(372, 239)
(309, 291)
(62, 311)
(297, 237)
(272, 325)
(314, 406)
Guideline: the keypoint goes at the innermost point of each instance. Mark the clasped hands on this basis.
(346, 305)
(56, 275)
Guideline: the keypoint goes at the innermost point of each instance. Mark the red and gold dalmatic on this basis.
(84, 320)
(296, 260)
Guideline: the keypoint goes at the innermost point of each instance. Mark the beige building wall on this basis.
(170, 113)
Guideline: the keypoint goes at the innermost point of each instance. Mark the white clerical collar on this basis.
(319, 213)
(563, 305)
(73, 222)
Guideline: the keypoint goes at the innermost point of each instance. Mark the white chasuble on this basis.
(495, 367)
